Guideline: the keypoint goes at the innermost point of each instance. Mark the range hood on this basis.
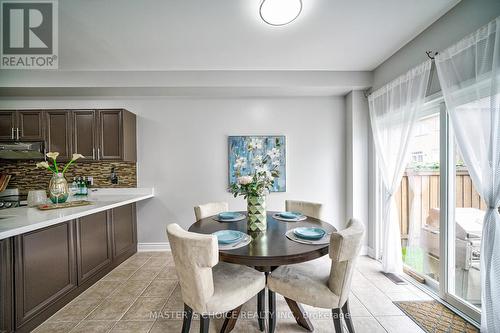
(22, 150)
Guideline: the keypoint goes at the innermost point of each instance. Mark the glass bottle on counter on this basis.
(84, 187)
(74, 187)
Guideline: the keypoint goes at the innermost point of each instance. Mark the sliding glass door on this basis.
(463, 221)
(441, 214)
(418, 200)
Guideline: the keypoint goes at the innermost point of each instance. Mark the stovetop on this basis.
(11, 198)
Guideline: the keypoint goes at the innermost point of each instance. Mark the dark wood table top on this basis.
(270, 248)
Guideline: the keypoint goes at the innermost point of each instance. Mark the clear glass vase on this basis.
(257, 215)
(58, 188)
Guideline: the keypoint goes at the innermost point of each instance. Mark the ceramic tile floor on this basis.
(146, 284)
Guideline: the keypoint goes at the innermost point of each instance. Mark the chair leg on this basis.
(336, 320)
(204, 323)
(347, 317)
(230, 321)
(186, 322)
(261, 309)
(272, 310)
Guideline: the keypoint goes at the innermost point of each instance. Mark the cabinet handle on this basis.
(98, 153)
(17, 133)
(12, 133)
(93, 153)
(45, 153)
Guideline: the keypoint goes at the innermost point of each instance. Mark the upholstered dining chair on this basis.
(208, 286)
(321, 283)
(210, 209)
(311, 209)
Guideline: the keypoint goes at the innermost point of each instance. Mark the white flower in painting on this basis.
(264, 170)
(257, 160)
(276, 163)
(255, 144)
(245, 180)
(241, 162)
(273, 153)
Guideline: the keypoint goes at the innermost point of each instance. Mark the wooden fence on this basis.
(423, 186)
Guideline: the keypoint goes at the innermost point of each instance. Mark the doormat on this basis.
(434, 317)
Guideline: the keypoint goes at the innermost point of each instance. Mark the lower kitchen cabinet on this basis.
(124, 230)
(6, 286)
(93, 244)
(43, 270)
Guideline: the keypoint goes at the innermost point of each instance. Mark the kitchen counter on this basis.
(20, 220)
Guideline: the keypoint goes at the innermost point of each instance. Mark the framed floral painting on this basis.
(264, 155)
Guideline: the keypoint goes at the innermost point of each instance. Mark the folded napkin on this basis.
(228, 215)
(290, 215)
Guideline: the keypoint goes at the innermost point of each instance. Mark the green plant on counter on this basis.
(53, 167)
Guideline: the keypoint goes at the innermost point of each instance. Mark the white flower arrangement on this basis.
(54, 168)
(265, 169)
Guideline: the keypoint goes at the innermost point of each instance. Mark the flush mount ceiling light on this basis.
(280, 12)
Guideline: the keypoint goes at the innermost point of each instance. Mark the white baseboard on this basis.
(153, 247)
(370, 252)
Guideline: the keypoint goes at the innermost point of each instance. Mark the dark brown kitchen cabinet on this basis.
(44, 270)
(58, 133)
(117, 135)
(93, 247)
(124, 230)
(84, 125)
(7, 125)
(6, 286)
(29, 125)
(21, 125)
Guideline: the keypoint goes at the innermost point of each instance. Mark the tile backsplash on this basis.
(26, 176)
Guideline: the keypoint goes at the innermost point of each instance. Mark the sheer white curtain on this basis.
(393, 113)
(469, 77)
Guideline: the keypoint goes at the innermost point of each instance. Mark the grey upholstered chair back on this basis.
(194, 256)
(311, 209)
(210, 209)
(344, 250)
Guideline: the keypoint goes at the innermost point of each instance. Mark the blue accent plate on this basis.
(228, 236)
(290, 215)
(309, 233)
(229, 215)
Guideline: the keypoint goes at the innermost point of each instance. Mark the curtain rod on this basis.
(431, 54)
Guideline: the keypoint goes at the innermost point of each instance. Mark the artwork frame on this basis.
(238, 147)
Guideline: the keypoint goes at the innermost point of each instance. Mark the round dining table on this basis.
(266, 251)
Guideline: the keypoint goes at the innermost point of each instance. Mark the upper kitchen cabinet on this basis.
(116, 135)
(7, 125)
(30, 125)
(84, 124)
(21, 125)
(58, 133)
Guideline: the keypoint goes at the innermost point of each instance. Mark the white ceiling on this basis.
(336, 35)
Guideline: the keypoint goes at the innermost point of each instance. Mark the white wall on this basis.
(357, 119)
(463, 19)
(182, 151)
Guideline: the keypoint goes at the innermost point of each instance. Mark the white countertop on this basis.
(17, 221)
